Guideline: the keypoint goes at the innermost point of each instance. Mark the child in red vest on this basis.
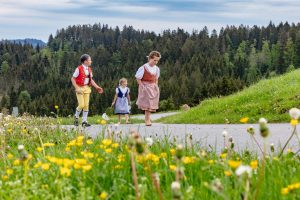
(82, 81)
(148, 93)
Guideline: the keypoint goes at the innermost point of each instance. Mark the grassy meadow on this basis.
(41, 160)
(271, 98)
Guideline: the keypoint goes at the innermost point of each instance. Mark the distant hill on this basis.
(33, 42)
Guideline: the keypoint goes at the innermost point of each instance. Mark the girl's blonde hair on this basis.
(153, 54)
(122, 80)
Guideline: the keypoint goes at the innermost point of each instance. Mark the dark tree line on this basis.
(194, 66)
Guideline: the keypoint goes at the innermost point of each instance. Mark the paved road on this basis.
(154, 116)
(209, 135)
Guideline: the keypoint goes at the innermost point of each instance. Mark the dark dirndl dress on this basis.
(121, 106)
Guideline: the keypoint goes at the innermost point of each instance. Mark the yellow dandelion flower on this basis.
(68, 162)
(106, 142)
(118, 167)
(254, 164)
(45, 166)
(80, 138)
(72, 143)
(87, 167)
(223, 155)
(109, 150)
(234, 164)
(67, 149)
(16, 162)
(9, 130)
(87, 154)
(103, 122)
(89, 141)
(9, 171)
(172, 167)
(227, 173)
(284, 191)
(38, 164)
(59, 161)
(81, 161)
(211, 162)
(121, 158)
(29, 157)
(244, 119)
(39, 149)
(188, 160)
(10, 156)
(65, 171)
(163, 155)
(77, 166)
(79, 144)
(115, 145)
(56, 107)
(103, 195)
(24, 131)
(294, 122)
(4, 177)
(154, 158)
(172, 151)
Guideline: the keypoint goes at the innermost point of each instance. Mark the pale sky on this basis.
(39, 18)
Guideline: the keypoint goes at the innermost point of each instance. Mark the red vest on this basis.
(81, 77)
(148, 77)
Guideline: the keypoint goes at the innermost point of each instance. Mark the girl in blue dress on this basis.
(121, 100)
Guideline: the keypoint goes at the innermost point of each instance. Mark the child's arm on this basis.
(97, 87)
(128, 97)
(77, 88)
(114, 101)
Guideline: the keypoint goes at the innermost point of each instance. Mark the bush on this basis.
(166, 105)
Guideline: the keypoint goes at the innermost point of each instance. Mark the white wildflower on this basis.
(149, 141)
(175, 185)
(105, 117)
(243, 169)
(263, 121)
(20, 147)
(294, 113)
(224, 133)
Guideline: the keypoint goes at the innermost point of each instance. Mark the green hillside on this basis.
(270, 98)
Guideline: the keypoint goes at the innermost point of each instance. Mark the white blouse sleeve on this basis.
(76, 73)
(140, 73)
(117, 91)
(158, 73)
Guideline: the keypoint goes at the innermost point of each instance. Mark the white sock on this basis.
(77, 113)
(84, 116)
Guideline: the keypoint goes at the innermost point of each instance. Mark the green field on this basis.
(270, 99)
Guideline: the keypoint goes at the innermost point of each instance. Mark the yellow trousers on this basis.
(83, 98)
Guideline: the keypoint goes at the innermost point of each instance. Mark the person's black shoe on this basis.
(85, 124)
(75, 121)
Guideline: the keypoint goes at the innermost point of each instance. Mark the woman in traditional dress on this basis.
(148, 93)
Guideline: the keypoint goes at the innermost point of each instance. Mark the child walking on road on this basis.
(122, 100)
